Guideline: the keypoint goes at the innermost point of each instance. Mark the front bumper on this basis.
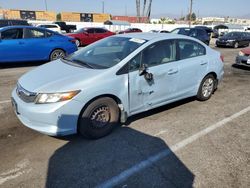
(243, 60)
(225, 43)
(56, 119)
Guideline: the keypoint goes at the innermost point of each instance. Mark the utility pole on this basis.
(149, 9)
(190, 12)
(46, 7)
(102, 6)
(138, 7)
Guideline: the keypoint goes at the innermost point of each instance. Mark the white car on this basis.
(53, 27)
(99, 86)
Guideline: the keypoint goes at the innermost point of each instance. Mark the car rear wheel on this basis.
(57, 54)
(206, 88)
(99, 118)
(78, 43)
(236, 45)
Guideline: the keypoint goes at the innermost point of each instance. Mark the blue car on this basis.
(27, 43)
(97, 87)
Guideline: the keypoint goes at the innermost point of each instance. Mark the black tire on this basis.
(99, 118)
(207, 87)
(56, 54)
(236, 45)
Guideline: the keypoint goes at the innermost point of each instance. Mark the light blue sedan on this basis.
(27, 43)
(103, 84)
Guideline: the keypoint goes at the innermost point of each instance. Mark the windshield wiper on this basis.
(82, 63)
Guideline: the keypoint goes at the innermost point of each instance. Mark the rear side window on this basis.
(34, 33)
(189, 49)
(12, 34)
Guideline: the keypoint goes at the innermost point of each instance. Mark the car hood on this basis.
(57, 76)
(246, 50)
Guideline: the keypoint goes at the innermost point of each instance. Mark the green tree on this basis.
(193, 17)
(59, 17)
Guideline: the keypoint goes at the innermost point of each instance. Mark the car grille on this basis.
(25, 95)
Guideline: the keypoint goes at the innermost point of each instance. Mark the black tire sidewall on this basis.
(200, 96)
(85, 127)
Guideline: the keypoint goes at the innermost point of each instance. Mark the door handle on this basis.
(20, 42)
(172, 71)
(203, 63)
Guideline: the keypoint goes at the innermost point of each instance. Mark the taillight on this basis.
(222, 58)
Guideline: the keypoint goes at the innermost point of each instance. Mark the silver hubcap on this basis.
(236, 45)
(207, 87)
(100, 116)
(57, 54)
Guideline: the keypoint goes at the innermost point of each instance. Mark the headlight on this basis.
(241, 53)
(230, 40)
(55, 97)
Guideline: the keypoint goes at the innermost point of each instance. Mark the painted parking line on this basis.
(5, 101)
(153, 159)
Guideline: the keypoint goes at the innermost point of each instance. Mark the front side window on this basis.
(12, 34)
(159, 53)
(189, 49)
(156, 54)
(106, 53)
(34, 33)
(91, 31)
(99, 30)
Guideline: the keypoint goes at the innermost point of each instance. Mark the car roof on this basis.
(154, 36)
(24, 26)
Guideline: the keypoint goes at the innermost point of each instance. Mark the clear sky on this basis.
(173, 8)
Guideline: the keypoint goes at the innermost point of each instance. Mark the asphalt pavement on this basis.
(184, 144)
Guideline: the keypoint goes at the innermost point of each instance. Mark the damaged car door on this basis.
(153, 76)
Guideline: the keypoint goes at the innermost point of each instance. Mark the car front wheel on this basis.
(206, 88)
(99, 118)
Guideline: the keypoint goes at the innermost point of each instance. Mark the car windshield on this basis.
(106, 53)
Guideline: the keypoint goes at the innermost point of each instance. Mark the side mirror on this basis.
(143, 69)
(143, 72)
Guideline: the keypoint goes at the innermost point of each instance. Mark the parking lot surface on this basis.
(184, 144)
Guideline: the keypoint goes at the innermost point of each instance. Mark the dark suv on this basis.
(4, 23)
(198, 33)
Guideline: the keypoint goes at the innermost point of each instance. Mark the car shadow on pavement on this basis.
(158, 110)
(241, 67)
(126, 158)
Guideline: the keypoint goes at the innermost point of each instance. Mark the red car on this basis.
(130, 30)
(89, 35)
